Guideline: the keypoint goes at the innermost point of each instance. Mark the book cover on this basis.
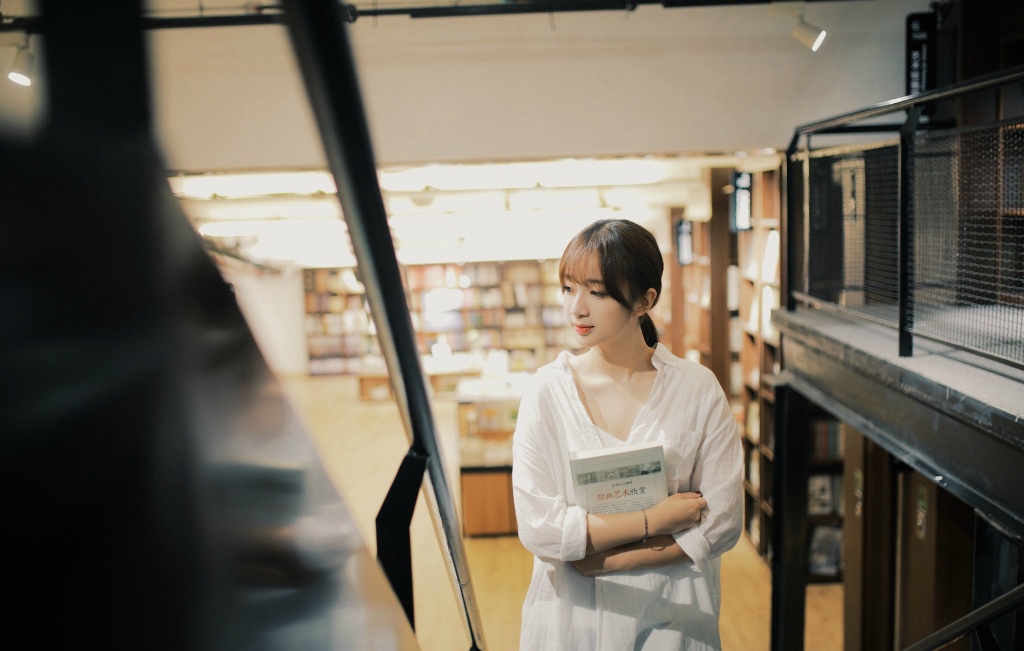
(820, 500)
(825, 557)
(619, 479)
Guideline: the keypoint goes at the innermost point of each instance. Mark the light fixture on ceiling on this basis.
(21, 69)
(810, 35)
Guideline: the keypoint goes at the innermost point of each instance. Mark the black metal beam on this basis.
(320, 39)
(271, 14)
(906, 239)
(971, 449)
(789, 530)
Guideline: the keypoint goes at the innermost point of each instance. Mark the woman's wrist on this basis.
(655, 522)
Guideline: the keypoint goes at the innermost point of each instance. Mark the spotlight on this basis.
(21, 69)
(810, 35)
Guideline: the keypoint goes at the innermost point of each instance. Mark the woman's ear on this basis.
(646, 301)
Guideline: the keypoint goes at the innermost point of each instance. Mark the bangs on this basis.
(593, 255)
(580, 264)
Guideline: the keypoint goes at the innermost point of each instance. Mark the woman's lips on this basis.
(582, 329)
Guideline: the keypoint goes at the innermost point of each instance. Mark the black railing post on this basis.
(786, 224)
(906, 242)
(789, 534)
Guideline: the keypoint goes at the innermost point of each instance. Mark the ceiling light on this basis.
(21, 69)
(810, 35)
(250, 185)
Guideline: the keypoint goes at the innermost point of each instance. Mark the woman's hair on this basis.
(629, 260)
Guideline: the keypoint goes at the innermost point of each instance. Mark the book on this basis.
(820, 499)
(825, 556)
(619, 479)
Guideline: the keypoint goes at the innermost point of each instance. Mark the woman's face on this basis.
(594, 316)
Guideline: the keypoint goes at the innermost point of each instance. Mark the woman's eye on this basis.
(597, 294)
(566, 289)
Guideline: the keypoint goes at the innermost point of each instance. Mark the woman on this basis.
(644, 579)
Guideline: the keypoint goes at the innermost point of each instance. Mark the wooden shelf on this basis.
(699, 290)
(510, 305)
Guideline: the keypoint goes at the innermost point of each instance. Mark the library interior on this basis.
(277, 284)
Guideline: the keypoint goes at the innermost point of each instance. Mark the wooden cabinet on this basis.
(869, 544)
(934, 562)
(487, 506)
(487, 421)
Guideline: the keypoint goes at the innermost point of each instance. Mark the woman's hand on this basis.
(675, 513)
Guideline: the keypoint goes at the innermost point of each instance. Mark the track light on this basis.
(810, 35)
(21, 69)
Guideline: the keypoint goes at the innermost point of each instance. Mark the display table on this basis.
(487, 411)
(443, 375)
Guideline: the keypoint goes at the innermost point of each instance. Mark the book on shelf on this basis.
(826, 551)
(769, 302)
(827, 439)
(820, 495)
(753, 421)
(619, 479)
(770, 258)
(754, 469)
(732, 285)
(837, 494)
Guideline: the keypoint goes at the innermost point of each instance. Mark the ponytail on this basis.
(649, 330)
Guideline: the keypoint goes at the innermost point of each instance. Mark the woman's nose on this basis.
(579, 304)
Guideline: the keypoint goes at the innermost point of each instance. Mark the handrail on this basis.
(785, 605)
(320, 40)
(968, 623)
(992, 80)
(842, 123)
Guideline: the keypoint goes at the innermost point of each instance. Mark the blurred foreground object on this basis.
(160, 491)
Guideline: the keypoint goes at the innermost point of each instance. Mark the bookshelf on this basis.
(700, 286)
(339, 333)
(456, 309)
(825, 499)
(758, 260)
(478, 307)
(758, 250)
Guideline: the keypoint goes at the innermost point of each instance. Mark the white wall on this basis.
(274, 306)
(533, 86)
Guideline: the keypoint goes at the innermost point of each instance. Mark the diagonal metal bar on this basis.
(965, 625)
(319, 36)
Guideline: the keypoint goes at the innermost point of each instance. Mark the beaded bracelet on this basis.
(644, 541)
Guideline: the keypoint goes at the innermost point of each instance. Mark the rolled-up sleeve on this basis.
(549, 527)
(718, 474)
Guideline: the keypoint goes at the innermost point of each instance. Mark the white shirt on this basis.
(674, 607)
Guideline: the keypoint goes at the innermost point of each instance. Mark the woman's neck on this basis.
(623, 360)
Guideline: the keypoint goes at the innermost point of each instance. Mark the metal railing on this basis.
(320, 40)
(923, 232)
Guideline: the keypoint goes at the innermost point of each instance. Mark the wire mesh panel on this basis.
(968, 238)
(851, 232)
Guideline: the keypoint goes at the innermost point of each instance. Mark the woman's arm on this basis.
(659, 551)
(674, 514)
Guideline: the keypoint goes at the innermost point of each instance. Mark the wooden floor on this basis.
(361, 445)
